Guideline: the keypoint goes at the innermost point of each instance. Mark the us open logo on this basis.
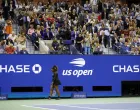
(79, 62)
(80, 70)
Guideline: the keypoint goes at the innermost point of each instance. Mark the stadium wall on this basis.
(85, 73)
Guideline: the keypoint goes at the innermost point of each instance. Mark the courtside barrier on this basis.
(31, 76)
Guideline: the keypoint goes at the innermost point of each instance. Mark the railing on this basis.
(29, 43)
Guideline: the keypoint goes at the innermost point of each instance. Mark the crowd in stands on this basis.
(89, 28)
(10, 43)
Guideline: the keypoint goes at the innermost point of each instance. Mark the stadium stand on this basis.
(94, 28)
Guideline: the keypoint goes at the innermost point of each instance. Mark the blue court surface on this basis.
(105, 106)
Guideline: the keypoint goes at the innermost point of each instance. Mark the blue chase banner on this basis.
(74, 70)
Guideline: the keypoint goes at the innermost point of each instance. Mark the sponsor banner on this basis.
(79, 95)
(54, 93)
(3, 97)
(73, 70)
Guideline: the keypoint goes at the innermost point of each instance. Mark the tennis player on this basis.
(55, 82)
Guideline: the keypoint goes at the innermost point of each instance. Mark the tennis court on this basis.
(73, 104)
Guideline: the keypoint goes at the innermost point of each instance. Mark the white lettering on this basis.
(90, 72)
(11, 69)
(126, 68)
(19, 69)
(26, 68)
(122, 68)
(80, 73)
(3, 68)
(15, 69)
(64, 73)
(69, 72)
(114, 69)
(85, 72)
(129, 69)
(77, 73)
(136, 69)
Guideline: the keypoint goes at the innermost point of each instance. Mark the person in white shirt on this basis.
(40, 6)
(19, 5)
(2, 21)
(87, 6)
(36, 9)
(12, 36)
(137, 16)
(94, 5)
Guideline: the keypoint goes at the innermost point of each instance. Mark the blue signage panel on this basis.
(74, 70)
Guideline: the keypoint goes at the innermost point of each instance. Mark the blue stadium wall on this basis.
(74, 70)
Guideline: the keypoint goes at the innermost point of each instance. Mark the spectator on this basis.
(65, 50)
(8, 28)
(103, 39)
(12, 36)
(27, 21)
(2, 21)
(97, 49)
(126, 24)
(125, 48)
(36, 9)
(87, 7)
(94, 4)
(2, 33)
(42, 32)
(23, 51)
(38, 30)
(31, 30)
(2, 47)
(19, 5)
(137, 16)
(79, 41)
(134, 51)
(20, 22)
(55, 46)
(21, 41)
(11, 9)
(16, 50)
(9, 41)
(100, 6)
(5, 6)
(87, 42)
(35, 40)
(10, 49)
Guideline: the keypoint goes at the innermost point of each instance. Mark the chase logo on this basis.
(37, 68)
(79, 62)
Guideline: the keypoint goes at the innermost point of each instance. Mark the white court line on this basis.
(71, 106)
(78, 107)
(43, 104)
(38, 107)
(118, 103)
(134, 109)
(97, 103)
(89, 108)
